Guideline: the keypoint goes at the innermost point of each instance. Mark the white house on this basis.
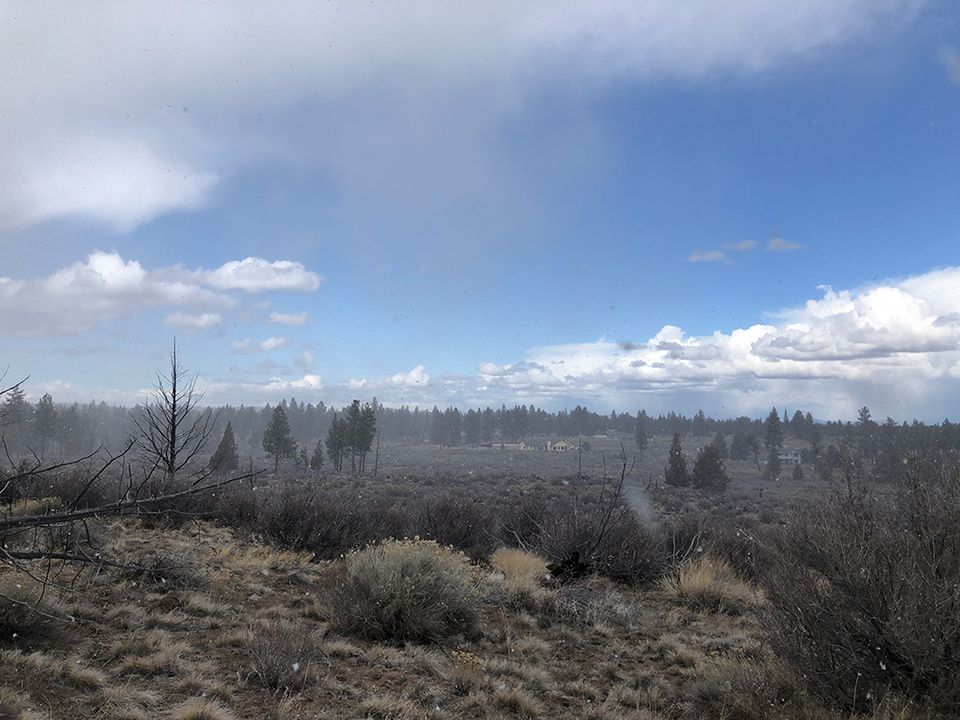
(544, 445)
(789, 457)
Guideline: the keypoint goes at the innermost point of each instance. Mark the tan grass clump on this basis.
(406, 590)
(710, 583)
(25, 608)
(198, 709)
(521, 569)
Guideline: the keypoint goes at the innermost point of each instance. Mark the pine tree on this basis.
(225, 458)
(316, 460)
(336, 442)
(720, 443)
(676, 471)
(45, 422)
(773, 431)
(277, 441)
(471, 427)
(699, 424)
(640, 433)
(771, 470)
(708, 470)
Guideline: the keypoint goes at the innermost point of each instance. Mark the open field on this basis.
(260, 602)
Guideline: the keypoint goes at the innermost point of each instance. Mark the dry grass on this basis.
(199, 709)
(280, 655)
(521, 569)
(709, 583)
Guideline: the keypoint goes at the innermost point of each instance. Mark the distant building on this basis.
(789, 458)
(544, 445)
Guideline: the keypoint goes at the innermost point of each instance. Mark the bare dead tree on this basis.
(43, 542)
(171, 432)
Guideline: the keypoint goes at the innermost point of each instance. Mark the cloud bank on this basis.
(894, 346)
(123, 111)
(106, 287)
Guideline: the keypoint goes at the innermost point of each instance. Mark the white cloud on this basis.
(289, 319)
(742, 246)
(186, 321)
(257, 275)
(122, 111)
(897, 342)
(951, 60)
(416, 378)
(274, 343)
(778, 244)
(271, 343)
(707, 256)
(105, 287)
(305, 361)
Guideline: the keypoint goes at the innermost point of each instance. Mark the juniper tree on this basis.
(225, 458)
(675, 473)
(708, 470)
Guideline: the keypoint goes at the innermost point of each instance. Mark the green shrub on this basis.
(406, 590)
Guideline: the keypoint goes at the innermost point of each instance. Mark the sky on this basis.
(642, 204)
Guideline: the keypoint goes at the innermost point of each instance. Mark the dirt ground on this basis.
(182, 642)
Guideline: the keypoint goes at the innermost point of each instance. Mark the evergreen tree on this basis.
(720, 443)
(316, 460)
(773, 431)
(675, 473)
(699, 425)
(225, 458)
(487, 423)
(471, 427)
(336, 442)
(771, 471)
(438, 430)
(277, 440)
(708, 470)
(742, 446)
(797, 473)
(45, 422)
(640, 432)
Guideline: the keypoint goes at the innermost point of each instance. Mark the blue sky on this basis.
(624, 204)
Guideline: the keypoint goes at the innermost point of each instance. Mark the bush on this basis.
(280, 655)
(463, 523)
(327, 524)
(709, 583)
(406, 590)
(863, 593)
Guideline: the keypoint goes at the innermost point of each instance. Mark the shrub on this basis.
(623, 549)
(863, 592)
(709, 583)
(327, 524)
(406, 590)
(280, 655)
(463, 523)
